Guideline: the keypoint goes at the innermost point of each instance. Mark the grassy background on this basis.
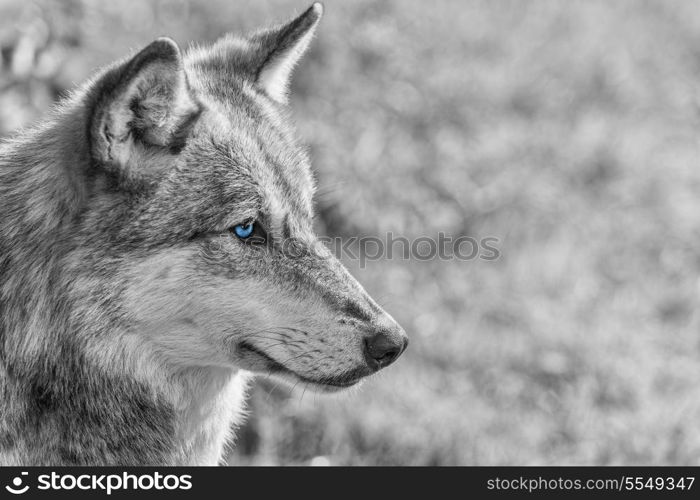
(568, 130)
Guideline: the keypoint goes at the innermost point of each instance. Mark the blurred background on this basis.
(567, 130)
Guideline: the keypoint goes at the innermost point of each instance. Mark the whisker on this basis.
(306, 386)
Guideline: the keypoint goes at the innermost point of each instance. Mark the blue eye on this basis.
(244, 231)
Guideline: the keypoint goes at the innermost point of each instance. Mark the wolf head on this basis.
(201, 215)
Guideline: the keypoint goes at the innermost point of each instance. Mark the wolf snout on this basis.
(384, 347)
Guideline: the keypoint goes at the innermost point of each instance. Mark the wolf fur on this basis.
(131, 318)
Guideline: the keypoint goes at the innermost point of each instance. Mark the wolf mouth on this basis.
(340, 381)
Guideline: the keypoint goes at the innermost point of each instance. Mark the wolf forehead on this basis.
(241, 150)
(246, 125)
(242, 157)
(202, 138)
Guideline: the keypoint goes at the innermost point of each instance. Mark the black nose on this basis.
(384, 347)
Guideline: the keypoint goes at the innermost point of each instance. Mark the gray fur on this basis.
(130, 317)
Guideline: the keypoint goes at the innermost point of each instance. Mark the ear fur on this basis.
(143, 111)
(283, 48)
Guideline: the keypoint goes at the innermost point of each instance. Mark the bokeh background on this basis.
(568, 130)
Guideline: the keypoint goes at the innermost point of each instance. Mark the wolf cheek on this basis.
(296, 315)
(315, 324)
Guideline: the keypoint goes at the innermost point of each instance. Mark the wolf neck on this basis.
(203, 405)
(198, 407)
(210, 407)
(83, 397)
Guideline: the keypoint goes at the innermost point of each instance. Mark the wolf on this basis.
(145, 275)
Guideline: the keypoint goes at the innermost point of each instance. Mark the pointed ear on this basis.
(282, 48)
(143, 112)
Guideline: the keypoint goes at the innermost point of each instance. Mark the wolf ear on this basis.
(281, 49)
(143, 110)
